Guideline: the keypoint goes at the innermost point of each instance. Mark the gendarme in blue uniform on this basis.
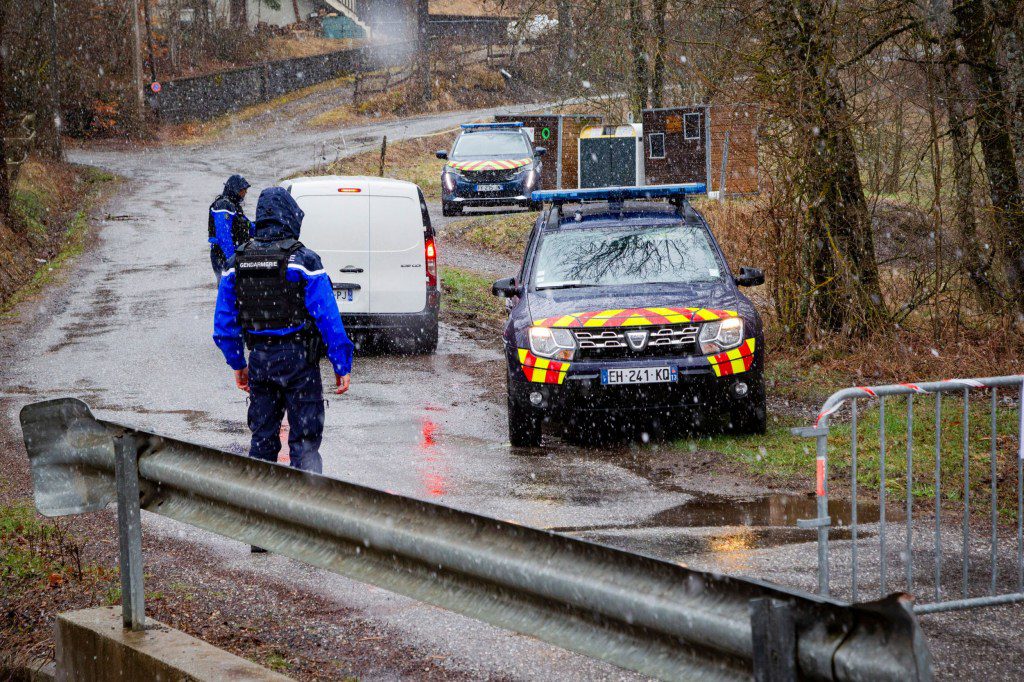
(227, 227)
(276, 298)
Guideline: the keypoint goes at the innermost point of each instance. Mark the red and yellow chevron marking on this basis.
(542, 370)
(733, 361)
(632, 317)
(493, 164)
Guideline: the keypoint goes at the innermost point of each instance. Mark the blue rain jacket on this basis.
(228, 228)
(278, 217)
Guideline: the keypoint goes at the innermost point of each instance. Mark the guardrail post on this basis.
(773, 635)
(129, 532)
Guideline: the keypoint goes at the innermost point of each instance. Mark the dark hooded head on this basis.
(277, 215)
(234, 186)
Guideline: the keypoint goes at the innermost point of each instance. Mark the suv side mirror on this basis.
(750, 277)
(540, 151)
(441, 154)
(505, 287)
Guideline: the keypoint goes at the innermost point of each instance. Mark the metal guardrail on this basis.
(939, 602)
(653, 616)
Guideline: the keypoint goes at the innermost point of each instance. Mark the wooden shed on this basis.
(687, 144)
(560, 135)
(676, 144)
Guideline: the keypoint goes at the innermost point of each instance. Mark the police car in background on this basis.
(625, 307)
(490, 164)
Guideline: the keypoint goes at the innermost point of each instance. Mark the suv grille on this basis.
(486, 176)
(671, 340)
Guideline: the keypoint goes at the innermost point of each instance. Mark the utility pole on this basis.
(137, 64)
(55, 150)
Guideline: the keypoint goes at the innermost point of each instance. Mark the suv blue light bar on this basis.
(573, 196)
(491, 126)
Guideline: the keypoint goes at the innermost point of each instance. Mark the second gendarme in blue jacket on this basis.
(227, 226)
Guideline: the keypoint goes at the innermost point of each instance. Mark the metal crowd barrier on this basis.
(653, 616)
(823, 522)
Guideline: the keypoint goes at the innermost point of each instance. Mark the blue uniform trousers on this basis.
(280, 378)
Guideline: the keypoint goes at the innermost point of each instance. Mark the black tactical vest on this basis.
(266, 299)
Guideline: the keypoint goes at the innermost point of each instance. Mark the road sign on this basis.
(155, 86)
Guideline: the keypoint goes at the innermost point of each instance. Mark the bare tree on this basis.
(239, 16)
(5, 186)
(659, 9)
(840, 252)
(994, 134)
(637, 36)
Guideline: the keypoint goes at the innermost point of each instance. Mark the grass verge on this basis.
(411, 160)
(53, 203)
(42, 571)
(505, 234)
(467, 300)
(780, 454)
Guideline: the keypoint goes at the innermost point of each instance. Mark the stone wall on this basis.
(201, 98)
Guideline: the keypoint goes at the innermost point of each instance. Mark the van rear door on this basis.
(337, 226)
(398, 276)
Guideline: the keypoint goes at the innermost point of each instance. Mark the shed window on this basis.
(691, 126)
(656, 145)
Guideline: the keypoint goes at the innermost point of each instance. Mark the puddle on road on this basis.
(726, 528)
(768, 511)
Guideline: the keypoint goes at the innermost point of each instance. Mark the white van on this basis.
(377, 245)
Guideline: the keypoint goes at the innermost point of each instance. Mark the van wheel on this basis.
(523, 426)
(450, 209)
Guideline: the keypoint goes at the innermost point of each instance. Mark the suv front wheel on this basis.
(750, 417)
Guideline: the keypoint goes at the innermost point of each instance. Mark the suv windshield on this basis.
(491, 145)
(625, 256)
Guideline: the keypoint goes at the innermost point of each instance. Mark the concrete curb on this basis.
(93, 646)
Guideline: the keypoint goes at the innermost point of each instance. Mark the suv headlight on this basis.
(557, 344)
(716, 337)
(448, 178)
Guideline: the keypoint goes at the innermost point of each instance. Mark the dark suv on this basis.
(490, 164)
(625, 307)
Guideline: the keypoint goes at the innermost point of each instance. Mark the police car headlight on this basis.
(449, 180)
(530, 178)
(716, 337)
(557, 344)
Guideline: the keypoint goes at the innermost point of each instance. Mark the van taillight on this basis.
(431, 252)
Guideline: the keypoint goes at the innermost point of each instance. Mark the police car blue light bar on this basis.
(565, 196)
(492, 126)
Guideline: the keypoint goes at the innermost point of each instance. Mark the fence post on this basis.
(129, 532)
(823, 521)
(773, 640)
